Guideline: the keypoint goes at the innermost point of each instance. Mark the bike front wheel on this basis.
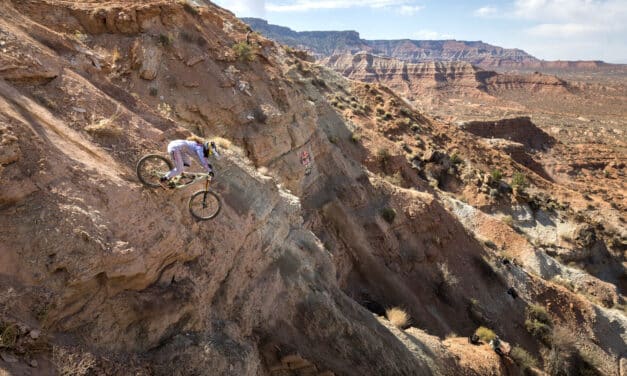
(204, 205)
(151, 168)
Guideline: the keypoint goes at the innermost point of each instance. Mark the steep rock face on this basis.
(111, 267)
(476, 53)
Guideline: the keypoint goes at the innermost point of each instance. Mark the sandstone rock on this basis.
(146, 56)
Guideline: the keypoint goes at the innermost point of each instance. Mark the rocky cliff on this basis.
(317, 238)
(323, 44)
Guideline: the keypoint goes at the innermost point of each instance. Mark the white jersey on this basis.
(189, 148)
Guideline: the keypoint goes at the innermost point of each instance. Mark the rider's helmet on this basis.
(209, 148)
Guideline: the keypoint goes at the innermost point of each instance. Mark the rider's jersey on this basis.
(190, 148)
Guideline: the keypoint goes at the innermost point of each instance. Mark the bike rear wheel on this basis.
(151, 168)
(204, 205)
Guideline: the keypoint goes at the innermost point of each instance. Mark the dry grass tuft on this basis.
(105, 127)
(223, 143)
(397, 317)
(485, 334)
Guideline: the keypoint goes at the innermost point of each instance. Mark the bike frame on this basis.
(198, 176)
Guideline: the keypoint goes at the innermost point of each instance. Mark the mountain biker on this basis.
(181, 150)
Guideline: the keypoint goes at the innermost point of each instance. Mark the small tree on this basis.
(243, 51)
(539, 323)
(485, 334)
(519, 180)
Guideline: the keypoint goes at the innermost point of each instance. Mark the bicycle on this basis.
(203, 205)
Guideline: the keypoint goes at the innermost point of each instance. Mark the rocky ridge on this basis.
(323, 44)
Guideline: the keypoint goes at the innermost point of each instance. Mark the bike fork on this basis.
(204, 195)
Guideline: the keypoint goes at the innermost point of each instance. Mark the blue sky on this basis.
(547, 29)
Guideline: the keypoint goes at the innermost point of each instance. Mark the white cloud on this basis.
(243, 8)
(596, 15)
(563, 30)
(486, 12)
(305, 5)
(430, 34)
(410, 10)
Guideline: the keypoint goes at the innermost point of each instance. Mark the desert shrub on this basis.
(508, 220)
(8, 335)
(166, 40)
(519, 180)
(415, 127)
(524, 360)
(560, 280)
(397, 317)
(80, 36)
(404, 112)
(485, 334)
(403, 122)
(243, 51)
(538, 313)
(388, 214)
(378, 98)
(538, 323)
(383, 154)
(190, 8)
(380, 111)
(355, 137)
(387, 116)
(153, 91)
(455, 159)
(105, 127)
(496, 174)
(332, 139)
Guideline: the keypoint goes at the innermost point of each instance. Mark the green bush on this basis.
(538, 313)
(485, 334)
(404, 112)
(383, 155)
(538, 323)
(455, 159)
(380, 111)
(388, 214)
(355, 137)
(519, 180)
(243, 51)
(496, 174)
(524, 360)
(166, 40)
